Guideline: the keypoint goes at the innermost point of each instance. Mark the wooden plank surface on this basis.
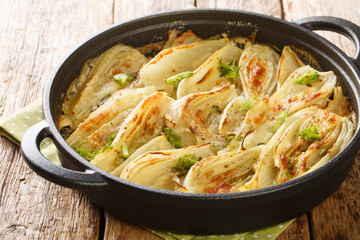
(298, 230)
(272, 8)
(128, 9)
(35, 35)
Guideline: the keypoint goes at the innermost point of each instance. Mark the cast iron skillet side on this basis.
(196, 213)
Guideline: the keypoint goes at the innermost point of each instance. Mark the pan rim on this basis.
(300, 181)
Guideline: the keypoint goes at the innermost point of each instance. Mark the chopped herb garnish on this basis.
(107, 145)
(184, 164)
(123, 79)
(280, 119)
(308, 78)
(176, 79)
(85, 153)
(125, 151)
(217, 108)
(228, 137)
(91, 155)
(173, 138)
(249, 103)
(111, 138)
(229, 70)
(310, 134)
(289, 175)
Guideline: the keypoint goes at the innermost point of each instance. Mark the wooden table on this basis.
(35, 35)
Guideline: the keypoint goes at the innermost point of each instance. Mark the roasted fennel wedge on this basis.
(288, 63)
(194, 116)
(306, 140)
(258, 70)
(164, 169)
(144, 123)
(266, 116)
(209, 74)
(93, 132)
(96, 83)
(222, 173)
(156, 144)
(172, 61)
(232, 116)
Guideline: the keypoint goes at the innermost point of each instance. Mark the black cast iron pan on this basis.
(199, 213)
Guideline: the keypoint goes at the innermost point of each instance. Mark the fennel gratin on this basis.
(205, 116)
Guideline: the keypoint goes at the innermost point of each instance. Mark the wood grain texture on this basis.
(35, 36)
(338, 216)
(128, 9)
(119, 229)
(298, 230)
(272, 8)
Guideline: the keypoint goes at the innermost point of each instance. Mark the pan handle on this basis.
(334, 24)
(30, 149)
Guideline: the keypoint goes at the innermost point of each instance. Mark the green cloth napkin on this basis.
(14, 127)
